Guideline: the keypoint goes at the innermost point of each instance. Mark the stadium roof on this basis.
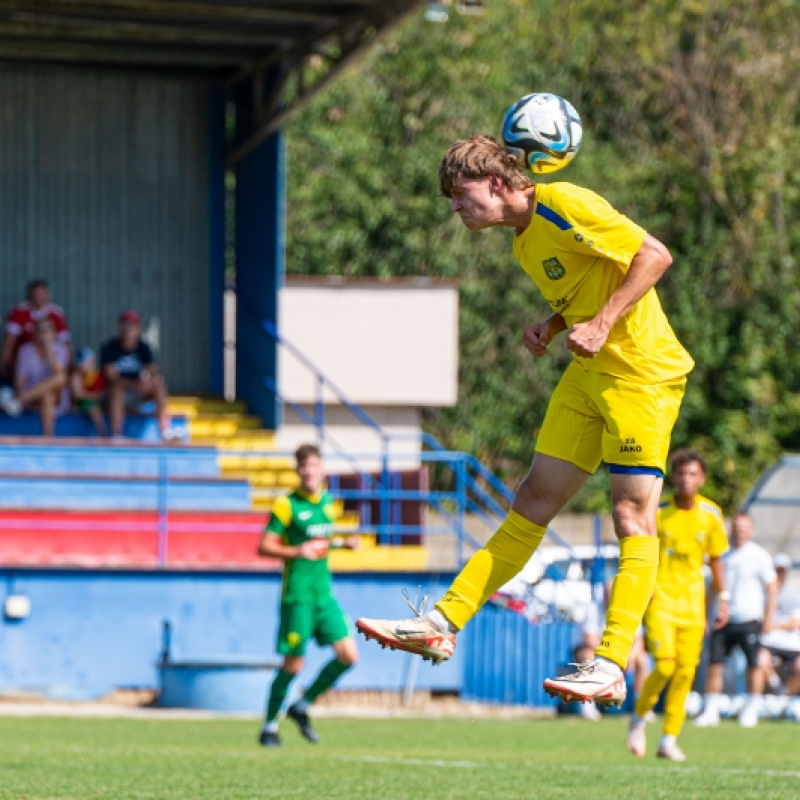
(247, 42)
(774, 503)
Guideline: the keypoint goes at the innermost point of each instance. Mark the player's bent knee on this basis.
(346, 652)
(665, 667)
(292, 664)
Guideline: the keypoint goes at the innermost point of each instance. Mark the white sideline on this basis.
(438, 762)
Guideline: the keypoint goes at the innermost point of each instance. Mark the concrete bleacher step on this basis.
(257, 441)
(99, 457)
(125, 492)
(222, 425)
(191, 407)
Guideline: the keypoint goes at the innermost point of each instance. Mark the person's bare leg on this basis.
(47, 411)
(116, 407)
(36, 393)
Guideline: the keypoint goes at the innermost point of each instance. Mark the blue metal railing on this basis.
(476, 490)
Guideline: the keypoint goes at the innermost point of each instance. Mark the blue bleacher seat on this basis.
(139, 427)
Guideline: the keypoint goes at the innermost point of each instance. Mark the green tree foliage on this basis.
(691, 125)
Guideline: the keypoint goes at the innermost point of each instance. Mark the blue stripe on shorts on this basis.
(621, 469)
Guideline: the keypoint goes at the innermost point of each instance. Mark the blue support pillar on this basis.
(215, 136)
(260, 216)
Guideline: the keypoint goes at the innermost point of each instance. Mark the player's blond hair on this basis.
(477, 158)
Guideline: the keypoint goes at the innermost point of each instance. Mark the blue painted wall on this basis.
(90, 632)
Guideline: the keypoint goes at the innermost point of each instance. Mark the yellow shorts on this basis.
(594, 417)
(672, 640)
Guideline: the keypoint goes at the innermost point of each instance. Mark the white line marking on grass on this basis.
(440, 762)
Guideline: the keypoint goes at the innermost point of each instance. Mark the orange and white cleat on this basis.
(594, 680)
(420, 636)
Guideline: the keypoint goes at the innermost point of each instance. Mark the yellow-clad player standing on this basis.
(616, 402)
(690, 530)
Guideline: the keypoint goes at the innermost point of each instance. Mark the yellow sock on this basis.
(654, 685)
(504, 555)
(675, 702)
(630, 595)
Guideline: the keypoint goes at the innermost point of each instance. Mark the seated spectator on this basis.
(780, 647)
(21, 322)
(132, 375)
(88, 387)
(40, 376)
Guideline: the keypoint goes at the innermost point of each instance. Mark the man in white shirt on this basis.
(781, 646)
(753, 592)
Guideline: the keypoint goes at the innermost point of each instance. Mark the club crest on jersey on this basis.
(553, 268)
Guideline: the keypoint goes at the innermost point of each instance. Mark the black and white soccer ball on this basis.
(543, 131)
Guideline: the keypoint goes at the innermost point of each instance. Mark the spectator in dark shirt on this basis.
(132, 375)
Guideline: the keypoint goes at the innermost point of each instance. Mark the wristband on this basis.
(726, 595)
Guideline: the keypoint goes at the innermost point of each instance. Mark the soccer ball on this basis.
(543, 131)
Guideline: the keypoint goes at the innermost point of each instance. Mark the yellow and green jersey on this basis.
(577, 249)
(685, 539)
(299, 518)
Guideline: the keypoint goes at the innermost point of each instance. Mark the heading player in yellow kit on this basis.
(616, 402)
(690, 529)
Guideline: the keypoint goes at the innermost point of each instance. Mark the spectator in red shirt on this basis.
(132, 375)
(21, 324)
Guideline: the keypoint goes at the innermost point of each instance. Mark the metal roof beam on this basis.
(302, 77)
(120, 55)
(183, 10)
(103, 31)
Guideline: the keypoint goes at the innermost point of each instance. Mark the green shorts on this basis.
(323, 620)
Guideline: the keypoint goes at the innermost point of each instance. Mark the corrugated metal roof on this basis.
(273, 55)
(212, 39)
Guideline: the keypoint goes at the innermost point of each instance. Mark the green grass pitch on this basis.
(48, 757)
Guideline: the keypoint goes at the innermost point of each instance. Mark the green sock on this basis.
(329, 674)
(277, 693)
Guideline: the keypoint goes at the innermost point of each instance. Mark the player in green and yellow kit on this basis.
(690, 530)
(300, 531)
(616, 402)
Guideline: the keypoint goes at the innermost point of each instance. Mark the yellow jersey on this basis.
(685, 538)
(577, 249)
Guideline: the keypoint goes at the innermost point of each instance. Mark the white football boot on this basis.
(637, 737)
(671, 752)
(419, 635)
(595, 680)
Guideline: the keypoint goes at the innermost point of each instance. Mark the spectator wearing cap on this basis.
(88, 387)
(20, 328)
(131, 374)
(780, 653)
(41, 375)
